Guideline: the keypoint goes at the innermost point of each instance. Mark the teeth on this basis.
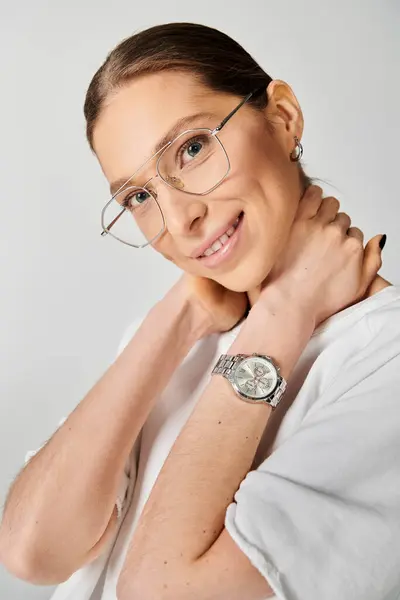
(217, 245)
(209, 251)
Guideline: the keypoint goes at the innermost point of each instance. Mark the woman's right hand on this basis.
(324, 264)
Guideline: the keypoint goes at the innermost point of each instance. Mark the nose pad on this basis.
(172, 180)
(175, 181)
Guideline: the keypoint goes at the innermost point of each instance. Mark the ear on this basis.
(284, 112)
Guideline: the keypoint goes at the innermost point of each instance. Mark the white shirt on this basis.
(318, 514)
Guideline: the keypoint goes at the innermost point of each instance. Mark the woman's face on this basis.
(263, 185)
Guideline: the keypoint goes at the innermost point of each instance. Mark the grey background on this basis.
(66, 294)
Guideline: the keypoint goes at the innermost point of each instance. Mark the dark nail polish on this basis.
(382, 242)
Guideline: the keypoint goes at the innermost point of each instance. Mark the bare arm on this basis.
(61, 508)
(180, 543)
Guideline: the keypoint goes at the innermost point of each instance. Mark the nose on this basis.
(183, 212)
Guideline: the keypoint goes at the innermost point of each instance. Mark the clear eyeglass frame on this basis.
(213, 133)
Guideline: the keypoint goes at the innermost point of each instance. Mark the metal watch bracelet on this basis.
(226, 365)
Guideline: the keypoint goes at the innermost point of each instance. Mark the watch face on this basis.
(255, 377)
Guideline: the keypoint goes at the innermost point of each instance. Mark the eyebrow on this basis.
(172, 132)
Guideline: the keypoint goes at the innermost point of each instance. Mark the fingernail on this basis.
(382, 242)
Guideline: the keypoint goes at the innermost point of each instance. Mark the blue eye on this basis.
(191, 149)
(194, 149)
(140, 198)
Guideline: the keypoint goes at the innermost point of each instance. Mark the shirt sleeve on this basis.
(320, 517)
(127, 473)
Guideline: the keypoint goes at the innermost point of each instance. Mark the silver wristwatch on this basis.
(254, 377)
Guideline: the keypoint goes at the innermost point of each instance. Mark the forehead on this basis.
(139, 114)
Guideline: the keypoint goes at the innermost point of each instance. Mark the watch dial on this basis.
(256, 377)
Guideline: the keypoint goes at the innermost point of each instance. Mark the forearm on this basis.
(67, 491)
(185, 512)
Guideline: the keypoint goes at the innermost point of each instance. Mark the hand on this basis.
(218, 308)
(324, 264)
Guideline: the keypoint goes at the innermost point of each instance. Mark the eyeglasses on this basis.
(194, 162)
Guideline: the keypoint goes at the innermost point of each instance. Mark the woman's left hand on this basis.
(324, 265)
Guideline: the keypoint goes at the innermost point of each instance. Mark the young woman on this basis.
(249, 425)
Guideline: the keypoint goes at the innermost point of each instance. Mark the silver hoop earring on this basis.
(298, 150)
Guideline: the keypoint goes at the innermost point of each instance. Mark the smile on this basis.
(223, 246)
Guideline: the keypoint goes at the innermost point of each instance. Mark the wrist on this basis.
(277, 325)
(283, 298)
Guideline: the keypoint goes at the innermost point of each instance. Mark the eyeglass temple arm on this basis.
(105, 231)
(245, 99)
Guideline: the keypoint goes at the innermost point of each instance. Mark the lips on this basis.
(228, 249)
(210, 241)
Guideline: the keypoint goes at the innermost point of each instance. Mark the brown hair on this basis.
(213, 57)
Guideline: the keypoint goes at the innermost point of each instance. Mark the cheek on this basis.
(165, 247)
(255, 152)
(270, 182)
(168, 250)
(166, 255)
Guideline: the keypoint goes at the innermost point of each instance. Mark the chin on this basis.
(247, 277)
(259, 255)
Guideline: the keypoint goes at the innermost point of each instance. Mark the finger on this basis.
(372, 262)
(309, 202)
(328, 209)
(343, 221)
(357, 233)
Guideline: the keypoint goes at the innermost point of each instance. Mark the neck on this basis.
(253, 295)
